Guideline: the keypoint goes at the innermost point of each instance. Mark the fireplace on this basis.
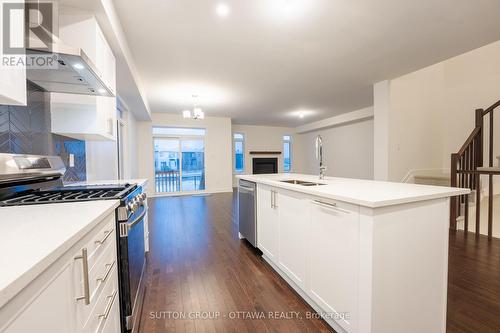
(262, 165)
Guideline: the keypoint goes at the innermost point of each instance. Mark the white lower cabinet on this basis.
(293, 225)
(77, 293)
(313, 243)
(267, 222)
(48, 311)
(333, 259)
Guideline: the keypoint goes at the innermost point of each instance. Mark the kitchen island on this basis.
(368, 256)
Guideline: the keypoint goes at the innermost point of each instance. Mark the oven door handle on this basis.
(130, 225)
(126, 226)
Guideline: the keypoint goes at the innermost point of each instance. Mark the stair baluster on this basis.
(466, 171)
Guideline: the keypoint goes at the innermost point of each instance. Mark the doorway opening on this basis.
(179, 159)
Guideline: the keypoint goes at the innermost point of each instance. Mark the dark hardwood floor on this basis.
(199, 268)
(473, 284)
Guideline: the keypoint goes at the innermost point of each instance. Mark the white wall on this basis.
(416, 122)
(102, 160)
(218, 171)
(381, 93)
(347, 150)
(267, 138)
(102, 156)
(131, 162)
(431, 111)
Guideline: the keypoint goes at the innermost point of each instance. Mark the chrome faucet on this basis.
(319, 156)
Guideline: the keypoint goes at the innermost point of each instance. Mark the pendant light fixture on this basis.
(197, 112)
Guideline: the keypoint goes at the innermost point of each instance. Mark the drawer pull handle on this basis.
(110, 267)
(332, 206)
(107, 233)
(86, 286)
(108, 306)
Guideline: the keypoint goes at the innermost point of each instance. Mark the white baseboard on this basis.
(410, 176)
(177, 194)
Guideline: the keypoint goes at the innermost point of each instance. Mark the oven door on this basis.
(132, 267)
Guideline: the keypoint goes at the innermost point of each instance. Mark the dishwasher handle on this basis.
(246, 189)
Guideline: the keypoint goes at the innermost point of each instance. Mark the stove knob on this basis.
(130, 207)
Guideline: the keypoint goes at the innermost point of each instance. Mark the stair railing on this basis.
(465, 173)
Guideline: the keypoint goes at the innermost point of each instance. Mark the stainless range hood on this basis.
(70, 70)
(73, 73)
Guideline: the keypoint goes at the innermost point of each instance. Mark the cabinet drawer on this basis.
(106, 306)
(101, 239)
(101, 272)
(112, 324)
(102, 262)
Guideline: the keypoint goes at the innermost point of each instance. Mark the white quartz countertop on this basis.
(140, 182)
(33, 237)
(367, 193)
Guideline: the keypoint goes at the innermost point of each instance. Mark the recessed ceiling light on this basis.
(78, 66)
(102, 91)
(302, 113)
(222, 10)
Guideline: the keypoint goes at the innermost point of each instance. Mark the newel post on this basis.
(453, 200)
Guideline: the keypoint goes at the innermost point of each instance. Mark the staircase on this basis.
(466, 171)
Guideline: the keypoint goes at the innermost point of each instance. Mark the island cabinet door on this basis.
(293, 225)
(47, 305)
(333, 260)
(267, 221)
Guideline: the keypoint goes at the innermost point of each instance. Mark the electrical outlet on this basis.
(71, 160)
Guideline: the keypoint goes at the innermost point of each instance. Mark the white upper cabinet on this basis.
(83, 117)
(267, 222)
(333, 259)
(12, 74)
(80, 116)
(80, 29)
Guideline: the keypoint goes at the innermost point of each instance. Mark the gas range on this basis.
(37, 180)
(34, 180)
(60, 194)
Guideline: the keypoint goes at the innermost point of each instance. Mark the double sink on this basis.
(301, 182)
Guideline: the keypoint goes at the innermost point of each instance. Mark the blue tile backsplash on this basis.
(26, 130)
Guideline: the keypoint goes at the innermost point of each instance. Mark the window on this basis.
(287, 153)
(179, 158)
(239, 152)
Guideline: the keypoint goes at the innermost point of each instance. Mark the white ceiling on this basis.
(270, 58)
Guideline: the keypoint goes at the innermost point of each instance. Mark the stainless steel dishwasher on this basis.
(247, 211)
